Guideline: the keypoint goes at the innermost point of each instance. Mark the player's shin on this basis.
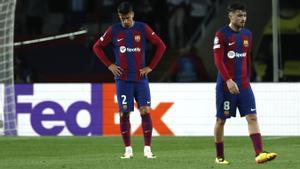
(257, 142)
(125, 128)
(219, 137)
(219, 149)
(147, 128)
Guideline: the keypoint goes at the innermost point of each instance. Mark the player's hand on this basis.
(116, 70)
(145, 71)
(232, 87)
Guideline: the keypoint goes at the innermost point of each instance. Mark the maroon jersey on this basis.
(129, 45)
(232, 56)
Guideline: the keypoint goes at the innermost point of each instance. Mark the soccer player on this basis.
(232, 48)
(128, 39)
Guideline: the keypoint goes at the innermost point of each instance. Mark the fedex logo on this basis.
(78, 109)
(61, 116)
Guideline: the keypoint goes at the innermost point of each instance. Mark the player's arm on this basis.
(219, 45)
(160, 49)
(104, 40)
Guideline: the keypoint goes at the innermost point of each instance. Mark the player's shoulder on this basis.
(246, 31)
(116, 26)
(221, 32)
(139, 24)
(222, 29)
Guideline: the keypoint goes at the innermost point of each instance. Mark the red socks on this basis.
(125, 129)
(257, 143)
(220, 149)
(147, 128)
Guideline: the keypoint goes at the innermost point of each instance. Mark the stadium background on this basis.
(72, 60)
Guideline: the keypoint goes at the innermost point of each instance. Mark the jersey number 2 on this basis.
(124, 99)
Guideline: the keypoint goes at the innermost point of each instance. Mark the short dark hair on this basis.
(125, 8)
(236, 6)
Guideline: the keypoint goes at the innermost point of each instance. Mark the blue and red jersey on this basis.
(232, 54)
(129, 45)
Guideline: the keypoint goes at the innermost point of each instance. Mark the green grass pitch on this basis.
(172, 153)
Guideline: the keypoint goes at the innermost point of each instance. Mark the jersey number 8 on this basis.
(226, 105)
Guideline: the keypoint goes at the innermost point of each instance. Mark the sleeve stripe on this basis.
(217, 46)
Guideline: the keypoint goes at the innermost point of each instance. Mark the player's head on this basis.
(126, 14)
(237, 14)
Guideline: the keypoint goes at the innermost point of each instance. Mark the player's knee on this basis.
(251, 119)
(144, 110)
(220, 122)
(124, 114)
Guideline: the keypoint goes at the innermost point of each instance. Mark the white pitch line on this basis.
(276, 137)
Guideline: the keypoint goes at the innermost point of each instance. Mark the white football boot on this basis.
(128, 153)
(148, 153)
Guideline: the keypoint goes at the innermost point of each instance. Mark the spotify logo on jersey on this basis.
(122, 49)
(231, 54)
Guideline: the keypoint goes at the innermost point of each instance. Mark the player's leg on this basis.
(143, 98)
(125, 132)
(225, 103)
(147, 130)
(219, 141)
(146, 124)
(254, 132)
(125, 102)
(247, 107)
